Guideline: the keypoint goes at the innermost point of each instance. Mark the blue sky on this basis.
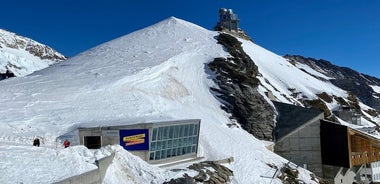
(345, 32)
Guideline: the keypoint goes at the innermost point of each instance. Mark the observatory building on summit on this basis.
(227, 20)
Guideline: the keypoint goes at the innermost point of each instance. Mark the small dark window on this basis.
(92, 142)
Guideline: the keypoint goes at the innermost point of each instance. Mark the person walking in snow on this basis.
(66, 143)
(36, 142)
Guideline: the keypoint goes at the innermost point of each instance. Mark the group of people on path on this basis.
(36, 142)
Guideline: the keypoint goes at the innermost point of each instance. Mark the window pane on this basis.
(186, 130)
(160, 132)
(169, 153)
(154, 135)
(151, 157)
(176, 131)
(171, 132)
(191, 130)
(158, 155)
(153, 146)
(185, 141)
(166, 133)
(158, 146)
(169, 144)
(180, 142)
(181, 131)
(195, 140)
(193, 150)
(163, 145)
(188, 149)
(179, 151)
(163, 154)
(196, 129)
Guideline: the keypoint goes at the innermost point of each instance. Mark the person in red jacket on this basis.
(66, 143)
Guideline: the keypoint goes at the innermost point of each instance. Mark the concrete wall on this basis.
(95, 176)
(303, 147)
(330, 172)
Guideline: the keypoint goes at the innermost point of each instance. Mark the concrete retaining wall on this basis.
(95, 176)
(303, 147)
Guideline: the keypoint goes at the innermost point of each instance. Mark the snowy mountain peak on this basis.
(21, 56)
(158, 73)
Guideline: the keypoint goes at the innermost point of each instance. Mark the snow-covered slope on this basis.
(158, 73)
(298, 83)
(284, 79)
(22, 56)
(345, 78)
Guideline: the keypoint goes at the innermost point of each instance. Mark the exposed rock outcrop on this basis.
(209, 172)
(345, 78)
(237, 89)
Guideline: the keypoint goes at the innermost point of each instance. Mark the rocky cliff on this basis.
(237, 82)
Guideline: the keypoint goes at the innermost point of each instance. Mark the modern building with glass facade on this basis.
(155, 142)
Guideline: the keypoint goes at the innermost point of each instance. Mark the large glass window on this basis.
(171, 141)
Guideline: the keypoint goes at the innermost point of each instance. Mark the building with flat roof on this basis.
(348, 114)
(335, 152)
(155, 142)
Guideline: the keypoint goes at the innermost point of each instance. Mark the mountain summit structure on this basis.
(227, 20)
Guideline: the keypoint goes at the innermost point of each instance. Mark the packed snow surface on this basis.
(376, 89)
(311, 71)
(158, 73)
(284, 79)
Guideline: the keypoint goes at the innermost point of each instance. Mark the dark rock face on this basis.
(219, 174)
(236, 78)
(344, 78)
(186, 179)
(6, 75)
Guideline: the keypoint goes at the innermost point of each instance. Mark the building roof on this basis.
(126, 123)
(291, 117)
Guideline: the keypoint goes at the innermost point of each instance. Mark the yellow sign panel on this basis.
(134, 139)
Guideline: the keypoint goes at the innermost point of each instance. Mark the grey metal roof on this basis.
(291, 117)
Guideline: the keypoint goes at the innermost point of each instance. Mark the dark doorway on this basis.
(92, 142)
